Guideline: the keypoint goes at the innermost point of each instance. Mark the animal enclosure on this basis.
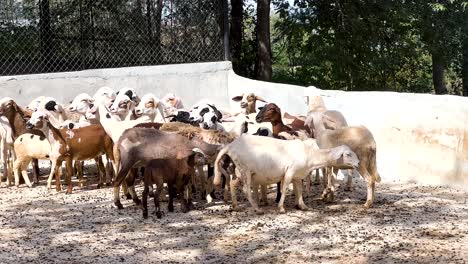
(44, 36)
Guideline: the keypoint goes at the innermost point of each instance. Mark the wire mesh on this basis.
(40, 36)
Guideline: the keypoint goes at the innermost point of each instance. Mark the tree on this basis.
(237, 18)
(264, 64)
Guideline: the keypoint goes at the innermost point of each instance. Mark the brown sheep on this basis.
(176, 173)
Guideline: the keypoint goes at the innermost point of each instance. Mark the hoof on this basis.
(158, 215)
(209, 200)
(259, 212)
(282, 211)
(368, 205)
(137, 201)
(278, 198)
(170, 208)
(190, 205)
(118, 204)
(99, 186)
(108, 184)
(145, 214)
(212, 194)
(303, 208)
(235, 209)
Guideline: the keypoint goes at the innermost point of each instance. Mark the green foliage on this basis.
(366, 44)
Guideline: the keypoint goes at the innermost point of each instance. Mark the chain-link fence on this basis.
(39, 36)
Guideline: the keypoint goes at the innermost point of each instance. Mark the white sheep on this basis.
(264, 160)
(147, 106)
(28, 147)
(6, 147)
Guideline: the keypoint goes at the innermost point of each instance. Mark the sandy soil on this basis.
(410, 223)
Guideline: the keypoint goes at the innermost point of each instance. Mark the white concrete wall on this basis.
(419, 137)
(191, 81)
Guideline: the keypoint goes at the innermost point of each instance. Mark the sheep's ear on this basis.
(217, 112)
(260, 108)
(260, 99)
(237, 98)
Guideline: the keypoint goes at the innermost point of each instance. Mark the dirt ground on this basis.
(409, 223)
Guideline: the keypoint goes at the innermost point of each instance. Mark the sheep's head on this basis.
(38, 120)
(269, 113)
(248, 101)
(104, 93)
(172, 100)
(121, 105)
(181, 116)
(34, 104)
(198, 112)
(81, 103)
(344, 158)
(147, 106)
(7, 105)
(130, 93)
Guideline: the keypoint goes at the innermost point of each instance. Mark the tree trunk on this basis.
(45, 33)
(264, 70)
(237, 17)
(438, 66)
(465, 62)
(157, 33)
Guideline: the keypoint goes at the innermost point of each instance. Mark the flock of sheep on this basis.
(200, 147)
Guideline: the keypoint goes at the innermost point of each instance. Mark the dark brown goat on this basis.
(177, 173)
(137, 146)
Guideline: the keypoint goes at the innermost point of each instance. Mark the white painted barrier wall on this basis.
(419, 137)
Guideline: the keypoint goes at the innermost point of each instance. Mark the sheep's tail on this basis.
(217, 171)
(372, 167)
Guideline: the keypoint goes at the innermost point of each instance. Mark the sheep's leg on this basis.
(325, 177)
(145, 201)
(6, 173)
(109, 172)
(263, 189)
(278, 191)
(69, 167)
(131, 187)
(16, 170)
(101, 172)
(35, 171)
(170, 205)
(21, 166)
(317, 177)
(255, 192)
(227, 188)
(233, 186)
(156, 203)
(56, 169)
(247, 188)
(349, 182)
(51, 174)
(284, 189)
(210, 195)
(370, 193)
(298, 195)
(329, 192)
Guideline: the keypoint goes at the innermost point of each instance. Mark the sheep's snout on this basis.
(29, 125)
(243, 104)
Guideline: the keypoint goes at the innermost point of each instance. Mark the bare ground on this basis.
(409, 223)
